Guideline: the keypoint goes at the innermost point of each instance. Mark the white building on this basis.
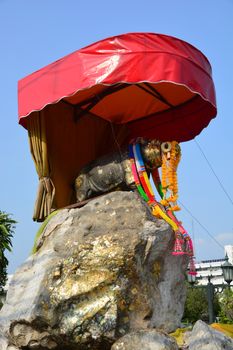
(212, 268)
(229, 252)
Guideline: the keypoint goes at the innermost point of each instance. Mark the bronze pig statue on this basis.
(113, 172)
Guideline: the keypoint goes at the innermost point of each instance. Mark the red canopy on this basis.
(159, 85)
(95, 100)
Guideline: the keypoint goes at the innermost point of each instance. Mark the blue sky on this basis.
(34, 33)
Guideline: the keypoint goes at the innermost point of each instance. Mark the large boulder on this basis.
(204, 337)
(99, 272)
(146, 340)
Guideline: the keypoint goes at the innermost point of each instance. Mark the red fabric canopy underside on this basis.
(177, 71)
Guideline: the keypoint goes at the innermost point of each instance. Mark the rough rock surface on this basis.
(203, 337)
(146, 340)
(99, 272)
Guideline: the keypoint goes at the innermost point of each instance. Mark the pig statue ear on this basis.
(166, 147)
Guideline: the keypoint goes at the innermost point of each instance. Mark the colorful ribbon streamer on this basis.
(145, 189)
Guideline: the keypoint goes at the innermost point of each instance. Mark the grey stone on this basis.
(203, 337)
(4, 345)
(99, 272)
(146, 340)
(3, 341)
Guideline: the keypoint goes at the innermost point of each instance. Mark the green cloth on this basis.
(41, 229)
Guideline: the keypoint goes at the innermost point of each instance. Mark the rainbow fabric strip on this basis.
(143, 184)
(145, 189)
(135, 174)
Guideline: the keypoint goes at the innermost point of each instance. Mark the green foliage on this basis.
(226, 307)
(196, 305)
(7, 226)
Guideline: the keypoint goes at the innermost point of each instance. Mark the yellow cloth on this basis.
(179, 335)
(158, 211)
(38, 147)
(227, 329)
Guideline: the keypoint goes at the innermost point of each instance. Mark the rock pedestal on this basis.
(99, 272)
